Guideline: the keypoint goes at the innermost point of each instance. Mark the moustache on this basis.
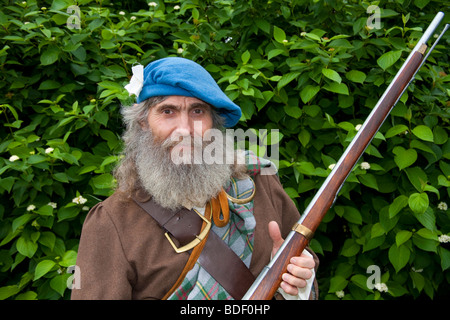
(183, 141)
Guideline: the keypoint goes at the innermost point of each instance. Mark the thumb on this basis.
(275, 235)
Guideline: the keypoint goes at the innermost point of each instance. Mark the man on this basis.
(125, 252)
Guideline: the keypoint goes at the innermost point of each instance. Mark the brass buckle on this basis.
(198, 238)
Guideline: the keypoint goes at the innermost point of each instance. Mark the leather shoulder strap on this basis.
(216, 257)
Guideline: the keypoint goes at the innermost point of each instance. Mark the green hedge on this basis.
(310, 68)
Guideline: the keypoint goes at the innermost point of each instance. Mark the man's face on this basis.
(175, 118)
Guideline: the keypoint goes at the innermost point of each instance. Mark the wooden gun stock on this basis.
(269, 280)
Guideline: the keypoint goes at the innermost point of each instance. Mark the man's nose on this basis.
(185, 125)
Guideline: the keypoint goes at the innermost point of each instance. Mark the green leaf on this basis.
(337, 283)
(397, 205)
(274, 52)
(279, 34)
(26, 247)
(340, 88)
(308, 93)
(425, 244)
(20, 221)
(46, 210)
(399, 256)
(68, 212)
(69, 259)
(245, 57)
(418, 202)
(395, 130)
(58, 5)
(352, 215)
(402, 236)
(417, 177)
(368, 180)
(424, 133)
(331, 74)
(445, 258)
(350, 248)
(287, 78)
(104, 181)
(43, 268)
(360, 281)
(421, 3)
(304, 137)
(291, 192)
(8, 291)
(47, 239)
(427, 234)
(404, 158)
(427, 219)
(49, 55)
(356, 76)
(59, 283)
(293, 111)
(388, 59)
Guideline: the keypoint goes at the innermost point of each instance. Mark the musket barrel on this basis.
(270, 278)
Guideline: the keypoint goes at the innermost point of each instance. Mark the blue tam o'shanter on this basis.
(174, 76)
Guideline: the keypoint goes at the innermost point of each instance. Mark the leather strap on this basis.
(216, 257)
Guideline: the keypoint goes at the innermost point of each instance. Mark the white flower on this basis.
(176, 7)
(133, 18)
(85, 208)
(416, 270)
(331, 166)
(13, 158)
(49, 150)
(180, 50)
(441, 206)
(137, 80)
(340, 294)
(122, 13)
(365, 165)
(444, 238)
(358, 126)
(52, 204)
(79, 200)
(382, 287)
(285, 41)
(31, 207)
(152, 4)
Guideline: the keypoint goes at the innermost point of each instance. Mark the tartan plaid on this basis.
(238, 234)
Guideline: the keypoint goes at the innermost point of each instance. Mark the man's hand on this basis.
(299, 268)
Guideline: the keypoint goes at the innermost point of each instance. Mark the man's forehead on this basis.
(183, 101)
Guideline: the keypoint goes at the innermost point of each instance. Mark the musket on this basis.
(268, 281)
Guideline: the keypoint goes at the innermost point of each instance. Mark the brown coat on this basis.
(123, 253)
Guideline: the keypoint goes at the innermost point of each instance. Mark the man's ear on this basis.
(144, 125)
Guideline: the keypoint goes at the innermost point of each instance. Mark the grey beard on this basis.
(174, 185)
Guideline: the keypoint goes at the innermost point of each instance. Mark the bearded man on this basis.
(176, 228)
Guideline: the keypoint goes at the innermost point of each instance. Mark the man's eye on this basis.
(198, 111)
(167, 111)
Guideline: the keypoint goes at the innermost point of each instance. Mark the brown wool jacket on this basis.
(123, 253)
